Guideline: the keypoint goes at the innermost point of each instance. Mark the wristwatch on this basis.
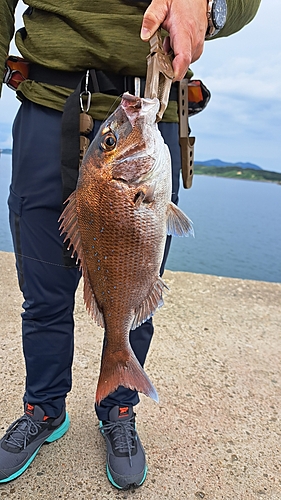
(216, 14)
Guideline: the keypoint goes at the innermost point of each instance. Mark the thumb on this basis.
(152, 19)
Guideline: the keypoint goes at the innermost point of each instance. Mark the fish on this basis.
(117, 220)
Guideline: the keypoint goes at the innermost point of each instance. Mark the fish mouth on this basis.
(135, 106)
(130, 101)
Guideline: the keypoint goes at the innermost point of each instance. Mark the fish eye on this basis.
(108, 142)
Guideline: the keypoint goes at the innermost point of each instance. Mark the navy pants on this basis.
(48, 286)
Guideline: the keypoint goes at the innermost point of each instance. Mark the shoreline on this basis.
(189, 272)
(239, 178)
(239, 175)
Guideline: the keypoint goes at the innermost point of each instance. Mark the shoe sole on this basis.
(57, 434)
(130, 485)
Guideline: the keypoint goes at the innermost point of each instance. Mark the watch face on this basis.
(219, 13)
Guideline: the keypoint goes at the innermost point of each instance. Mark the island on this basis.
(248, 171)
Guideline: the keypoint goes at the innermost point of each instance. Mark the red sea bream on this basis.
(117, 220)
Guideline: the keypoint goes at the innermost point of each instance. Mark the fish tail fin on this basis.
(122, 368)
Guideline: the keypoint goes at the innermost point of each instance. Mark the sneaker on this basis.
(125, 464)
(24, 438)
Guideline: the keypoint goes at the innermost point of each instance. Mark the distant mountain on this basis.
(235, 172)
(6, 151)
(219, 163)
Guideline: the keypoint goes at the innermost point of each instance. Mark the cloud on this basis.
(8, 108)
(8, 105)
(242, 77)
(5, 136)
(242, 121)
(243, 72)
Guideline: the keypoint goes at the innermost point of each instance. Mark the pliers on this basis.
(159, 78)
(160, 74)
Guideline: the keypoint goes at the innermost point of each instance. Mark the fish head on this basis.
(128, 145)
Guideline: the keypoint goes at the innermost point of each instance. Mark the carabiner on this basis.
(87, 93)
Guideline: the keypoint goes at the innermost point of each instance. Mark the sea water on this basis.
(237, 226)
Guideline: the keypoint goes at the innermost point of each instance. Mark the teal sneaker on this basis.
(24, 438)
(126, 464)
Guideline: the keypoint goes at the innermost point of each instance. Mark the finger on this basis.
(186, 50)
(167, 44)
(180, 66)
(181, 63)
(152, 19)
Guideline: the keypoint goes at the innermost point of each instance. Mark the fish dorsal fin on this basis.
(178, 224)
(69, 227)
(150, 304)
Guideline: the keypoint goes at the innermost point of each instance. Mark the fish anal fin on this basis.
(178, 224)
(90, 300)
(122, 368)
(153, 301)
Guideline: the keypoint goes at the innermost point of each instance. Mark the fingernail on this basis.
(145, 34)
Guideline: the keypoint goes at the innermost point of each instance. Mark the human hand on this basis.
(186, 22)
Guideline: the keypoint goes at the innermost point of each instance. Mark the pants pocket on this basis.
(15, 210)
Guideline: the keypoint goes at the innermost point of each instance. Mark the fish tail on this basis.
(123, 368)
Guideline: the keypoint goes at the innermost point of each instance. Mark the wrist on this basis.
(216, 15)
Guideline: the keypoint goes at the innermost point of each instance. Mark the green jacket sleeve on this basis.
(239, 13)
(7, 27)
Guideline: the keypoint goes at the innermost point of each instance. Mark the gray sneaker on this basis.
(24, 438)
(125, 464)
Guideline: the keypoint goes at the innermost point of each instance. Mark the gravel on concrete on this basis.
(215, 361)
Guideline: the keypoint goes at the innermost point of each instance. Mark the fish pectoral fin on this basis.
(122, 368)
(150, 304)
(178, 224)
(144, 195)
(139, 198)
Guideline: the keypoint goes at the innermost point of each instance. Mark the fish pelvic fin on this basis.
(148, 307)
(69, 227)
(178, 224)
(122, 368)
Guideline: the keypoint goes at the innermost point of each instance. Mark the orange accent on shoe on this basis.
(123, 412)
(29, 409)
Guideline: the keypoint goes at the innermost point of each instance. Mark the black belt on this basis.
(102, 81)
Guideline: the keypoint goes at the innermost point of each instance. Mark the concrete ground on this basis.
(215, 361)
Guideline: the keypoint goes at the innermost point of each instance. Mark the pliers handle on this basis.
(159, 78)
(160, 74)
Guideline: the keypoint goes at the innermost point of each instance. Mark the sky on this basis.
(242, 121)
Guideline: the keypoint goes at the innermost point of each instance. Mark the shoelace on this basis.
(20, 430)
(123, 436)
